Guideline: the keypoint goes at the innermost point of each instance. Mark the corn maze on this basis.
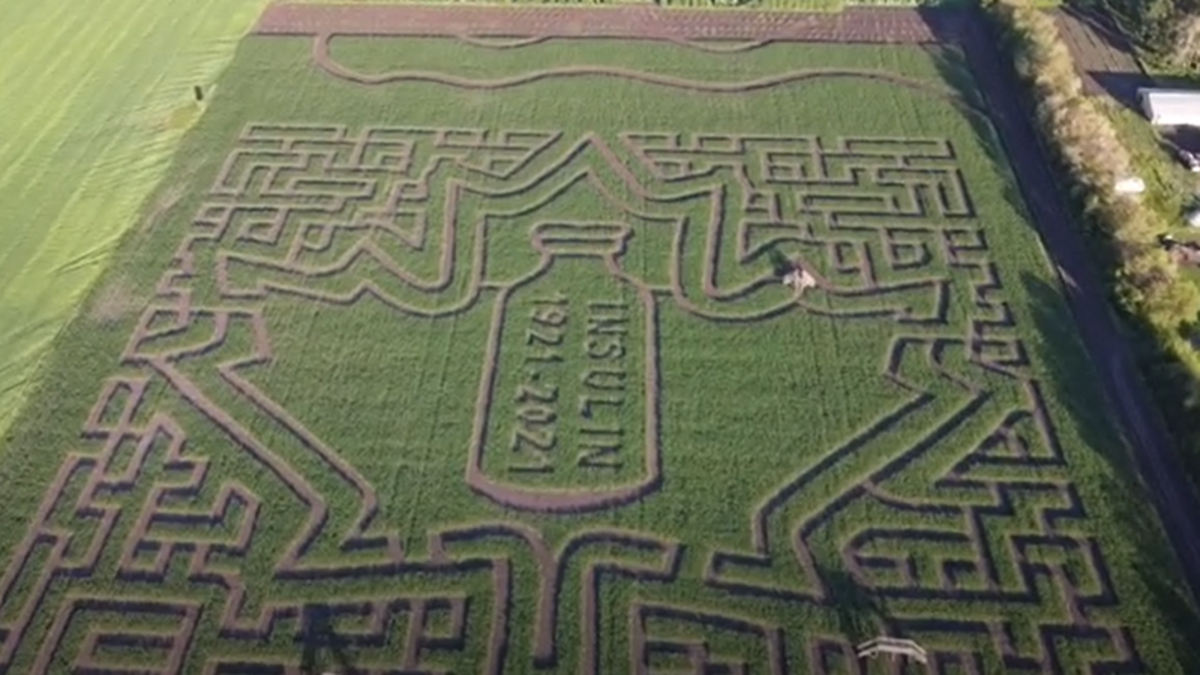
(953, 516)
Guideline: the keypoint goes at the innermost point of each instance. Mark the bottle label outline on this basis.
(583, 405)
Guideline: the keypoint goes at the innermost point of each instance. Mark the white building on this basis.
(1130, 185)
(1171, 107)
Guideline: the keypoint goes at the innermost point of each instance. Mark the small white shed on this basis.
(1171, 107)
(1130, 185)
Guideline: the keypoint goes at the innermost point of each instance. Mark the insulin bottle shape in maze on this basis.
(567, 417)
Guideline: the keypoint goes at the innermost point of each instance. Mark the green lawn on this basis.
(538, 396)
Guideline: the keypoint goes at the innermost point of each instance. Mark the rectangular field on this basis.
(473, 352)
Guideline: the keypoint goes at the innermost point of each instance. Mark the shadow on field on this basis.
(1169, 596)
(781, 265)
(954, 70)
(1071, 380)
(945, 23)
(317, 634)
(860, 614)
(1180, 138)
(1122, 87)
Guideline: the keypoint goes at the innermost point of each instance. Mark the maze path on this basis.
(324, 60)
(885, 227)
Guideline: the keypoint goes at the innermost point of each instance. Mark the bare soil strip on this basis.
(864, 25)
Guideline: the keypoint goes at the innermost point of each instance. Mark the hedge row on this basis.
(1154, 24)
(1160, 305)
(832, 5)
(793, 5)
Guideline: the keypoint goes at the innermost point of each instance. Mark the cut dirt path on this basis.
(869, 25)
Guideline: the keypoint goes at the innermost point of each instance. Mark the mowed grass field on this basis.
(95, 101)
(539, 397)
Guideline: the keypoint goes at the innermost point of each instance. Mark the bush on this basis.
(1166, 30)
(1185, 43)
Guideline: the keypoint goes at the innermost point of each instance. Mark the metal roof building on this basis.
(1171, 107)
